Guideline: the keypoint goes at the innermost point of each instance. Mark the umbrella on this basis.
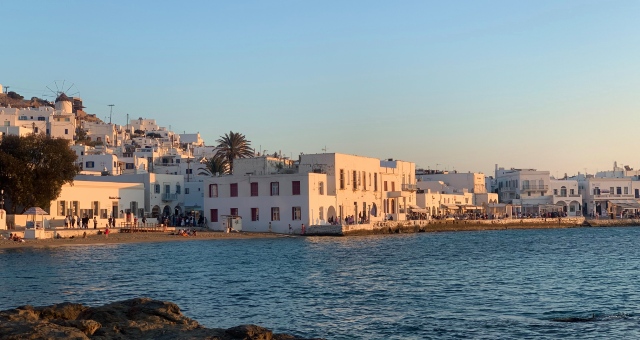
(35, 211)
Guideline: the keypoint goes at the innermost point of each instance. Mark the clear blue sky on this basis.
(553, 85)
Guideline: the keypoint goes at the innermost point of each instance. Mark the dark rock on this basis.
(140, 318)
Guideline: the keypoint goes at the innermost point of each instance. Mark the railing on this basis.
(169, 197)
(614, 195)
(535, 187)
(409, 187)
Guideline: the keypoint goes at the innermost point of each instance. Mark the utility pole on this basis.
(7, 88)
(110, 111)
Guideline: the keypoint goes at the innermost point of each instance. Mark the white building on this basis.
(325, 187)
(472, 181)
(534, 192)
(603, 197)
(99, 199)
(100, 132)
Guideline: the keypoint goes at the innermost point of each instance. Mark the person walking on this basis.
(106, 232)
(289, 228)
(302, 230)
(73, 222)
(95, 223)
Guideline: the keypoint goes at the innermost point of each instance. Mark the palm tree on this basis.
(234, 145)
(217, 164)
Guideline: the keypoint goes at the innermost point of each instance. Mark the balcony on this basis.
(409, 187)
(169, 197)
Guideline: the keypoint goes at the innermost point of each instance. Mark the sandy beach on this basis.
(120, 238)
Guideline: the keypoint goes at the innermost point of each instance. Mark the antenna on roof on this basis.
(110, 111)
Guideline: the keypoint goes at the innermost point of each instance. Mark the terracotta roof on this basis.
(62, 98)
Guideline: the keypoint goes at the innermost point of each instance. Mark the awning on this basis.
(450, 206)
(420, 210)
(625, 204)
(470, 207)
(413, 206)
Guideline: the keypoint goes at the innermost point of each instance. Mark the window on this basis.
(354, 177)
(295, 186)
(296, 213)
(234, 211)
(157, 189)
(393, 186)
(275, 188)
(41, 119)
(611, 191)
(563, 191)
(255, 214)
(626, 190)
(619, 190)
(341, 178)
(66, 131)
(213, 190)
(22, 118)
(213, 215)
(130, 166)
(95, 205)
(178, 188)
(62, 208)
(321, 213)
(275, 214)
(233, 190)
(35, 130)
(189, 171)
(364, 180)
(186, 191)
(555, 192)
(321, 188)
(177, 160)
(375, 182)
(385, 188)
(254, 189)
(89, 165)
(571, 191)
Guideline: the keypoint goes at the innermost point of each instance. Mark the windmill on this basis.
(63, 94)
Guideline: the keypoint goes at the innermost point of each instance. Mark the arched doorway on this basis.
(331, 213)
(166, 211)
(155, 212)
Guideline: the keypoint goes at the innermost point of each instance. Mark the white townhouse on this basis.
(566, 195)
(323, 188)
(534, 192)
(605, 196)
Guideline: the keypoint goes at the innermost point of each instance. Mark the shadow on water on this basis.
(585, 317)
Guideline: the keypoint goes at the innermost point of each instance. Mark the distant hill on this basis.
(15, 100)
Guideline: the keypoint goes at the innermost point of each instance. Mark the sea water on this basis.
(580, 283)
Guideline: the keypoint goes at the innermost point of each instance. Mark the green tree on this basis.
(234, 145)
(33, 170)
(217, 164)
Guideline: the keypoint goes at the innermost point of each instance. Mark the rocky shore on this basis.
(140, 318)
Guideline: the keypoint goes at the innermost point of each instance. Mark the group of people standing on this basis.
(83, 223)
